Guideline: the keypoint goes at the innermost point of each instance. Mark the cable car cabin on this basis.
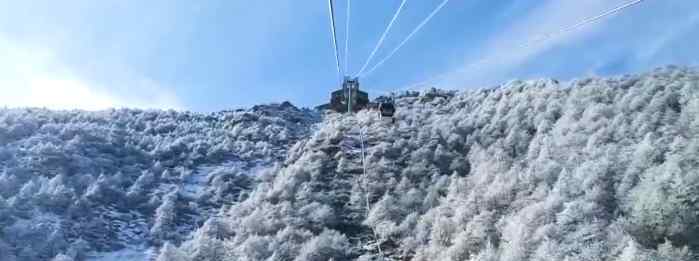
(349, 98)
(386, 111)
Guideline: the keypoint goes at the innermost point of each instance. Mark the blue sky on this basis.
(214, 55)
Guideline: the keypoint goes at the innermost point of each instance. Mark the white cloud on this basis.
(59, 94)
(32, 76)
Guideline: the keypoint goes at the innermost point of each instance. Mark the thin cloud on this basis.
(659, 41)
(505, 51)
(32, 76)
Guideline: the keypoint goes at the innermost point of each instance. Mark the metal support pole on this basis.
(349, 100)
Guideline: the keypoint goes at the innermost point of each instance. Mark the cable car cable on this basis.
(382, 38)
(584, 22)
(538, 39)
(347, 35)
(415, 31)
(331, 9)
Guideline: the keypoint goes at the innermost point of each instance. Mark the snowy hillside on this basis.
(601, 169)
(604, 169)
(85, 183)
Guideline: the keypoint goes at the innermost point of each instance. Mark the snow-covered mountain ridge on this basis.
(596, 169)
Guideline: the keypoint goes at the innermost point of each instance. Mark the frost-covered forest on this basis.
(76, 183)
(595, 169)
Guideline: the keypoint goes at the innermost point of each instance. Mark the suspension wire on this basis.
(415, 31)
(331, 9)
(541, 38)
(347, 35)
(582, 23)
(382, 38)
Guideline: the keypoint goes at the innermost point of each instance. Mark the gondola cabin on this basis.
(386, 111)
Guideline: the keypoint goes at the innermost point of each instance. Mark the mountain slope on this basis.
(598, 169)
(78, 183)
(603, 169)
